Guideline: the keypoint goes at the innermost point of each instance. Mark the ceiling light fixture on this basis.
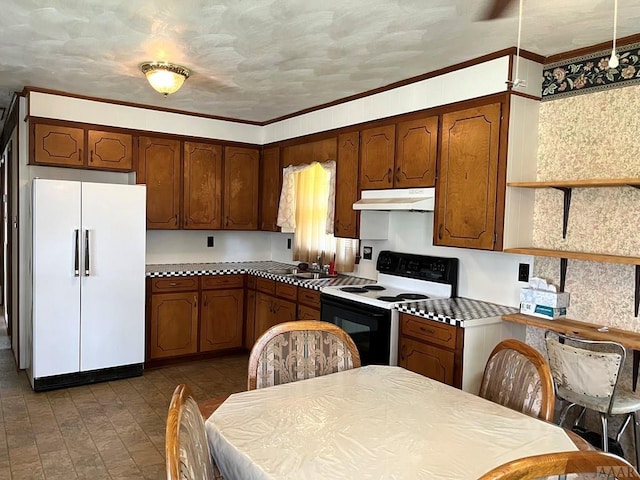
(165, 77)
(518, 82)
(613, 60)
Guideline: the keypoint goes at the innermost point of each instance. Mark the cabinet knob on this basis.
(91, 156)
(440, 231)
(195, 301)
(398, 175)
(175, 219)
(173, 284)
(389, 175)
(80, 155)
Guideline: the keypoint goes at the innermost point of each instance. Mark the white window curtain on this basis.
(307, 208)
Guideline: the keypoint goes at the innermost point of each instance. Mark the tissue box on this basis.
(543, 303)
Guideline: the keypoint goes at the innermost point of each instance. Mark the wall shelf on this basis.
(564, 255)
(566, 186)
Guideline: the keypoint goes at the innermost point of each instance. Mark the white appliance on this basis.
(367, 312)
(88, 282)
(409, 199)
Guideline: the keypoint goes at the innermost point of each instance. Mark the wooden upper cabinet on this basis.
(110, 150)
(270, 189)
(346, 219)
(202, 186)
(159, 168)
(377, 150)
(467, 184)
(58, 145)
(416, 151)
(241, 188)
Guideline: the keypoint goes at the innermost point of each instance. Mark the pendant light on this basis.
(613, 60)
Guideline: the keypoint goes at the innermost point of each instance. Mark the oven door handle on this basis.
(353, 306)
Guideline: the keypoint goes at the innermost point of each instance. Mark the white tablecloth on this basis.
(373, 422)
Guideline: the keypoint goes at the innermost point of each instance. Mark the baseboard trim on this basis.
(83, 378)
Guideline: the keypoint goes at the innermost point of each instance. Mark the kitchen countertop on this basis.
(259, 268)
(461, 312)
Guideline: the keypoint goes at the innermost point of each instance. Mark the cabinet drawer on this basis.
(308, 313)
(251, 281)
(309, 297)
(265, 285)
(429, 330)
(222, 281)
(174, 284)
(286, 290)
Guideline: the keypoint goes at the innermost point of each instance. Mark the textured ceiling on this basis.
(261, 59)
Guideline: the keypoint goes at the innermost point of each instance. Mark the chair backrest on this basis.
(517, 376)
(292, 351)
(580, 370)
(186, 446)
(562, 463)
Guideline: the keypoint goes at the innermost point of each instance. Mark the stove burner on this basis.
(386, 298)
(413, 296)
(374, 287)
(353, 290)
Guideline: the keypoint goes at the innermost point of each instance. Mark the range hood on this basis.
(420, 199)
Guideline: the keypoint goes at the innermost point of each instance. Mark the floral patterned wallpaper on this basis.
(591, 73)
(586, 137)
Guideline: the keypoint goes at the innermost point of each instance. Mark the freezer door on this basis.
(56, 286)
(113, 272)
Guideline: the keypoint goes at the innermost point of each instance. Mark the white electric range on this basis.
(367, 312)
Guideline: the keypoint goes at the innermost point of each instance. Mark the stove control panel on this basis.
(420, 267)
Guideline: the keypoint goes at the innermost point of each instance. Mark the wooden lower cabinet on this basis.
(250, 319)
(308, 313)
(431, 348)
(174, 324)
(270, 311)
(221, 319)
(427, 360)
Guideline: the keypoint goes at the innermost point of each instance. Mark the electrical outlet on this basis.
(523, 272)
(210, 241)
(288, 244)
(367, 253)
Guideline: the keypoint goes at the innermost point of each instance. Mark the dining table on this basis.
(373, 422)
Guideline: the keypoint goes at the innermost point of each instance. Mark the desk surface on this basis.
(590, 331)
(371, 422)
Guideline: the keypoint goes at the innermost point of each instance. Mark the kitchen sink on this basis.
(282, 271)
(311, 275)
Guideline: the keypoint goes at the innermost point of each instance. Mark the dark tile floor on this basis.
(112, 430)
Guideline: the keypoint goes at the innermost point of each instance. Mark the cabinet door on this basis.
(466, 198)
(377, 150)
(241, 175)
(250, 319)
(221, 319)
(346, 221)
(58, 145)
(416, 152)
(308, 313)
(202, 186)
(174, 324)
(159, 168)
(427, 360)
(113, 151)
(270, 189)
(271, 311)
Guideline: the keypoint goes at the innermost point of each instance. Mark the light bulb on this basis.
(613, 60)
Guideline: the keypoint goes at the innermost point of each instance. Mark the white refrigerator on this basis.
(88, 282)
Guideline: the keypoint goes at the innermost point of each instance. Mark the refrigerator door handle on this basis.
(87, 271)
(76, 261)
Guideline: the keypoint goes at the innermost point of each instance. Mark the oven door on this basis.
(370, 328)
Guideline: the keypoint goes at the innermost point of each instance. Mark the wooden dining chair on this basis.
(549, 465)
(186, 446)
(518, 377)
(298, 350)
